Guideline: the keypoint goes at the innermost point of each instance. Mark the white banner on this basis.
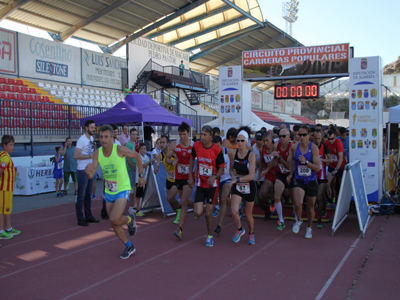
(366, 117)
(43, 59)
(256, 100)
(8, 52)
(34, 180)
(102, 70)
(231, 100)
(142, 50)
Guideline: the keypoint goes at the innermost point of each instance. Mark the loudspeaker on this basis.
(394, 136)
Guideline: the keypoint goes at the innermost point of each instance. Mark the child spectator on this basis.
(7, 182)
(58, 171)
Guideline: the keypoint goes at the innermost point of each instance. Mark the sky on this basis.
(371, 27)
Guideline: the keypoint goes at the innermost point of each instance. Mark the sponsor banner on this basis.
(34, 180)
(141, 50)
(48, 60)
(366, 117)
(256, 100)
(230, 98)
(8, 52)
(102, 70)
(298, 62)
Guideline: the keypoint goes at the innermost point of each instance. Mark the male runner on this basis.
(325, 158)
(111, 158)
(281, 153)
(210, 166)
(305, 164)
(182, 148)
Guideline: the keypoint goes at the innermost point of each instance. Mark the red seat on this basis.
(15, 89)
(38, 98)
(46, 99)
(20, 97)
(6, 88)
(32, 90)
(19, 82)
(3, 95)
(3, 80)
(5, 123)
(24, 89)
(29, 97)
(11, 81)
(12, 96)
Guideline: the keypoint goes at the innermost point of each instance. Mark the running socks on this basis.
(130, 219)
(278, 207)
(128, 244)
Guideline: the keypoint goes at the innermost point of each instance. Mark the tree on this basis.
(341, 105)
(310, 108)
(391, 101)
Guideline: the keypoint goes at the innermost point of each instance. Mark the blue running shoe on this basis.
(251, 240)
(238, 235)
(216, 212)
(209, 241)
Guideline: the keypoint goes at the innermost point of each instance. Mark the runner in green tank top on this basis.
(112, 160)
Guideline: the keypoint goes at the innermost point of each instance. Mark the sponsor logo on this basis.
(371, 164)
(31, 173)
(3, 164)
(51, 68)
(204, 159)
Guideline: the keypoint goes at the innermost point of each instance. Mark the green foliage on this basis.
(310, 108)
(341, 105)
(391, 101)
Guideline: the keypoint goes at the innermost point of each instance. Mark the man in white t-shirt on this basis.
(83, 154)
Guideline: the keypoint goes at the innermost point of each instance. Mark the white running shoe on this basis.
(296, 226)
(308, 233)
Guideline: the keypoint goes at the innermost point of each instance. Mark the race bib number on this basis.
(283, 169)
(171, 175)
(59, 165)
(205, 170)
(304, 171)
(226, 170)
(243, 188)
(268, 158)
(334, 157)
(183, 169)
(111, 186)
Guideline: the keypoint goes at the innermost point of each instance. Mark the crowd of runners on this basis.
(281, 170)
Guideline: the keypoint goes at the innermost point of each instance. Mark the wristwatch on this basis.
(238, 179)
(307, 162)
(141, 175)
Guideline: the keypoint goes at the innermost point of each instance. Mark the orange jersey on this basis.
(7, 179)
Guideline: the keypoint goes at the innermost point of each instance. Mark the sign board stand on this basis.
(352, 186)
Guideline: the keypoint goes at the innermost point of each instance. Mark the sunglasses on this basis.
(282, 136)
(240, 141)
(331, 139)
(259, 139)
(303, 134)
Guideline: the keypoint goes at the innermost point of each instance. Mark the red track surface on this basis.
(53, 258)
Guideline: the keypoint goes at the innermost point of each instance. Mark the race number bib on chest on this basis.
(268, 158)
(334, 157)
(59, 165)
(205, 170)
(111, 186)
(183, 169)
(304, 171)
(171, 175)
(243, 188)
(283, 169)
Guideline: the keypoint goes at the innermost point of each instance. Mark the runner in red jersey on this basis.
(336, 167)
(325, 158)
(182, 148)
(283, 170)
(268, 169)
(210, 166)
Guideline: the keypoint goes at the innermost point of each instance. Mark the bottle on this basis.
(31, 164)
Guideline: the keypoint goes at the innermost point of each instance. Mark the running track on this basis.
(54, 258)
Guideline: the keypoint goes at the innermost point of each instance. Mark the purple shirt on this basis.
(123, 139)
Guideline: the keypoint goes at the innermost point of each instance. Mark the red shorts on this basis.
(271, 177)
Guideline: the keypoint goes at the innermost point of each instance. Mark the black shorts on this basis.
(339, 173)
(139, 191)
(282, 178)
(170, 184)
(321, 181)
(207, 195)
(247, 197)
(311, 188)
(180, 183)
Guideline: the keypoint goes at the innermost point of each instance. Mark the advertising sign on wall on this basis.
(8, 52)
(366, 117)
(230, 98)
(256, 98)
(102, 70)
(141, 50)
(40, 58)
(298, 62)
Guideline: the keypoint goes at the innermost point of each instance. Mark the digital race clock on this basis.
(296, 91)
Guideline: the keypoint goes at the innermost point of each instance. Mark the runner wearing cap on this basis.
(210, 166)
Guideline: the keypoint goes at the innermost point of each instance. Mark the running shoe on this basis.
(296, 226)
(131, 210)
(319, 225)
(216, 212)
(238, 235)
(58, 195)
(218, 229)
(331, 206)
(196, 217)
(14, 232)
(251, 240)
(5, 236)
(308, 233)
(132, 225)
(178, 215)
(140, 214)
(280, 226)
(128, 252)
(178, 233)
(209, 241)
(323, 213)
(272, 207)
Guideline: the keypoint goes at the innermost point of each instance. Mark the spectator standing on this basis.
(131, 168)
(83, 154)
(124, 137)
(69, 166)
(7, 183)
(157, 149)
(345, 141)
(181, 69)
(126, 90)
(148, 131)
(58, 172)
(115, 133)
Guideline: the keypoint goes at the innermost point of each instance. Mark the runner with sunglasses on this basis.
(281, 154)
(305, 164)
(242, 169)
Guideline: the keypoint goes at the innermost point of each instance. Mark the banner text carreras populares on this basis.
(298, 61)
